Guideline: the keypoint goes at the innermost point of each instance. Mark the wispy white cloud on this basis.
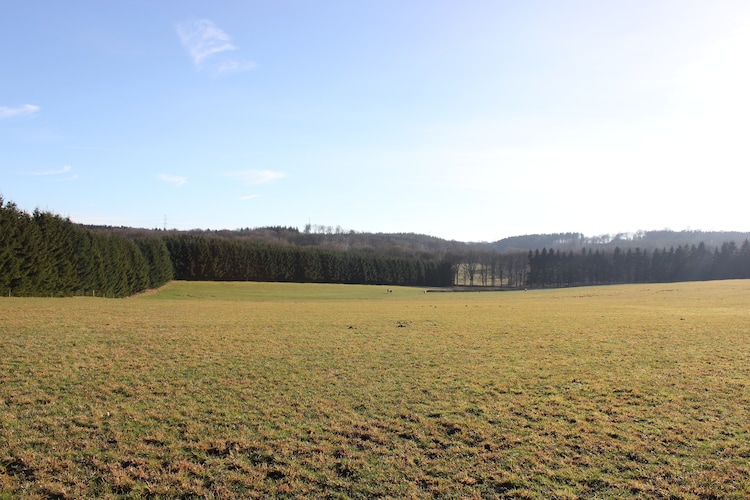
(233, 66)
(176, 180)
(255, 177)
(250, 197)
(55, 175)
(208, 46)
(25, 110)
(59, 171)
(202, 38)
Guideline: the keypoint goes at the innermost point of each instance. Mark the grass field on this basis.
(251, 390)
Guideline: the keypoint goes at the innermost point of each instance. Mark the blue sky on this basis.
(471, 120)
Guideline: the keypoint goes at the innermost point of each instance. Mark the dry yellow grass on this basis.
(247, 389)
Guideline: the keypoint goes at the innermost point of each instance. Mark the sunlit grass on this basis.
(246, 389)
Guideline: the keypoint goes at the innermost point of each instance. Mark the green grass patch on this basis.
(271, 292)
(225, 390)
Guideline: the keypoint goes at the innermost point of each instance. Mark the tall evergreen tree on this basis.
(160, 270)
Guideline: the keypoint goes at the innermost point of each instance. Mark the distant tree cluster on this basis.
(42, 254)
(480, 267)
(548, 268)
(198, 257)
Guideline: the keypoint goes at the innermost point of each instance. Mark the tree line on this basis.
(42, 254)
(555, 268)
(198, 257)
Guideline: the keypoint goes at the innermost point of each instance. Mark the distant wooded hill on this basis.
(391, 244)
(413, 244)
(645, 240)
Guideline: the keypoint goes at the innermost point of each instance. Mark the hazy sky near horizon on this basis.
(471, 120)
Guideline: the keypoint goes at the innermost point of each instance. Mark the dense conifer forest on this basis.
(217, 259)
(43, 254)
(554, 268)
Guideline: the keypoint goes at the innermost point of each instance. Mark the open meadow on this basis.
(227, 390)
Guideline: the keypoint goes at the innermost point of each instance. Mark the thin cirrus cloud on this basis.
(25, 110)
(59, 171)
(255, 177)
(175, 180)
(55, 175)
(209, 47)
